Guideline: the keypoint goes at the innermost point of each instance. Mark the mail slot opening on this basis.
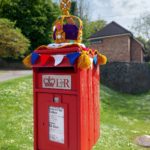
(71, 69)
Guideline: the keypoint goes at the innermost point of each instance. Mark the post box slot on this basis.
(58, 69)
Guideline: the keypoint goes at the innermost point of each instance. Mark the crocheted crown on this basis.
(67, 28)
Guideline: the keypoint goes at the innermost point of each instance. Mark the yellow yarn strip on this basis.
(84, 61)
(102, 59)
(27, 61)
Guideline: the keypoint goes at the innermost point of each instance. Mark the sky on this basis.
(123, 12)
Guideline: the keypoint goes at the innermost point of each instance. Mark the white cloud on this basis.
(127, 7)
(121, 11)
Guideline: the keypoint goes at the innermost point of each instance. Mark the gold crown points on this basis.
(65, 6)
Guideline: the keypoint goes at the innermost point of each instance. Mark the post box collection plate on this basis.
(56, 124)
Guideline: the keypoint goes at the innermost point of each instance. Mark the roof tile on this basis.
(111, 29)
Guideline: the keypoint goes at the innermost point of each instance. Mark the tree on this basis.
(74, 9)
(142, 25)
(34, 17)
(142, 28)
(83, 9)
(147, 47)
(146, 44)
(12, 42)
(94, 26)
(3, 2)
(90, 28)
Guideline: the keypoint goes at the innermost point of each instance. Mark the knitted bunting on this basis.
(58, 59)
(73, 57)
(34, 58)
(85, 59)
(95, 60)
(44, 59)
(27, 61)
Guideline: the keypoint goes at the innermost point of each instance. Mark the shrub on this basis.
(12, 42)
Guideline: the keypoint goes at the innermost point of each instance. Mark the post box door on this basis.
(57, 122)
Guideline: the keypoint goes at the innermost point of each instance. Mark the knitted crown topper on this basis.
(67, 28)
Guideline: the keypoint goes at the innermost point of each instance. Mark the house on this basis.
(118, 44)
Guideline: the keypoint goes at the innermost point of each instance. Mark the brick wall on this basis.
(115, 48)
(136, 52)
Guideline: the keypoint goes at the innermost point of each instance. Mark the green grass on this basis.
(123, 117)
(16, 114)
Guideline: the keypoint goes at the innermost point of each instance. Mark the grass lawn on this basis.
(123, 117)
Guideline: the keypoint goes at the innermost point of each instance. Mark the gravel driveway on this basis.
(8, 75)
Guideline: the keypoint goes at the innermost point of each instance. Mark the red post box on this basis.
(66, 104)
(66, 89)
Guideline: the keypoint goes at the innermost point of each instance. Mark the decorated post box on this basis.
(66, 88)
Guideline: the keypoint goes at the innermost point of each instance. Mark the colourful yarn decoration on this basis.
(102, 59)
(27, 61)
(34, 58)
(84, 61)
(95, 60)
(73, 57)
(44, 59)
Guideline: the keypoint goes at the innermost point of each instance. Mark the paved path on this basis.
(8, 75)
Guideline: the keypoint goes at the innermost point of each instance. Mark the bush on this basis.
(12, 42)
